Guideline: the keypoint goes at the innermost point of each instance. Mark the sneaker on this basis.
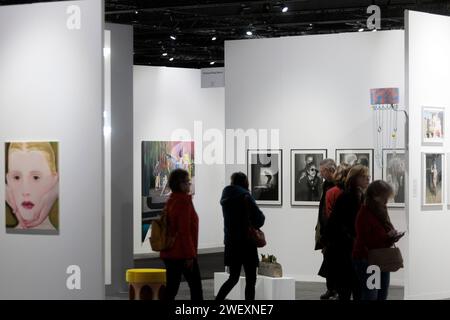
(327, 295)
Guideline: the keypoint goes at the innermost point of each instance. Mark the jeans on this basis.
(371, 294)
(235, 273)
(174, 270)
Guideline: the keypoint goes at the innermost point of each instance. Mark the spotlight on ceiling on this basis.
(361, 30)
(171, 59)
(249, 33)
(284, 8)
(164, 54)
(212, 63)
(173, 37)
(214, 38)
(136, 12)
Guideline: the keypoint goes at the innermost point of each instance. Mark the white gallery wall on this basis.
(428, 83)
(315, 90)
(51, 89)
(120, 135)
(167, 99)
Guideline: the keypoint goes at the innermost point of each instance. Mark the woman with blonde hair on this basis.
(32, 185)
(340, 232)
(339, 178)
(331, 196)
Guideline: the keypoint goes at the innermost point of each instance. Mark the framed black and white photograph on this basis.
(264, 170)
(432, 179)
(394, 169)
(432, 126)
(356, 156)
(306, 182)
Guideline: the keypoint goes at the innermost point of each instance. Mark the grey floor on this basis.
(303, 291)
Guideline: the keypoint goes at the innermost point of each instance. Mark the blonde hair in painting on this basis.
(44, 147)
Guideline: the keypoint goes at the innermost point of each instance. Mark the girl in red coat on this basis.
(181, 258)
(374, 230)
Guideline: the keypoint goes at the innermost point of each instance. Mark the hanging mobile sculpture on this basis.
(385, 103)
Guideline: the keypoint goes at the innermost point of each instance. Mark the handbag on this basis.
(387, 259)
(257, 237)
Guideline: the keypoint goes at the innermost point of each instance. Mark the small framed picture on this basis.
(432, 179)
(306, 181)
(356, 156)
(264, 170)
(433, 126)
(394, 169)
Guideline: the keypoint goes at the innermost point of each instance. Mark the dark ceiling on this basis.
(195, 23)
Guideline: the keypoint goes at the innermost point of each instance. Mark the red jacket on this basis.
(330, 199)
(370, 234)
(183, 223)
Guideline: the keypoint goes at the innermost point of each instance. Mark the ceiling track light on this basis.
(164, 54)
(284, 8)
(171, 59)
(173, 37)
(249, 33)
(214, 38)
(212, 63)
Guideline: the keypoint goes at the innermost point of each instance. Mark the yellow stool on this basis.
(146, 284)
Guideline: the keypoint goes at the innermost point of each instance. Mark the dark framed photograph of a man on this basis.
(306, 182)
(356, 156)
(265, 176)
(432, 179)
(394, 169)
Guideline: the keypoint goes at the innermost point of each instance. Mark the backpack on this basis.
(159, 238)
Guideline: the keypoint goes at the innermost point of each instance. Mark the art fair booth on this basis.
(107, 134)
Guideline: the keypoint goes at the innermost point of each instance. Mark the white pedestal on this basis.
(267, 288)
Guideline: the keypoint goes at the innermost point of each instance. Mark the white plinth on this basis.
(267, 288)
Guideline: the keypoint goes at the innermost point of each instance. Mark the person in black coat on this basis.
(340, 233)
(327, 170)
(239, 212)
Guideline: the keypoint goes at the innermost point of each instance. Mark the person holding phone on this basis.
(374, 230)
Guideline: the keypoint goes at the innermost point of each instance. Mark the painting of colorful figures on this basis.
(159, 158)
(432, 126)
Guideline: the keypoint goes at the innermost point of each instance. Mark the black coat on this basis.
(321, 218)
(239, 210)
(340, 234)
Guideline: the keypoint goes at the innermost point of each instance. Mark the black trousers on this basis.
(174, 270)
(235, 272)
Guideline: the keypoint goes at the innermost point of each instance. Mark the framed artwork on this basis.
(432, 179)
(306, 182)
(384, 96)
(159, 158)
(356, 156)
(32, 187)
(432, 126)
(264, 170)
(394, 169)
